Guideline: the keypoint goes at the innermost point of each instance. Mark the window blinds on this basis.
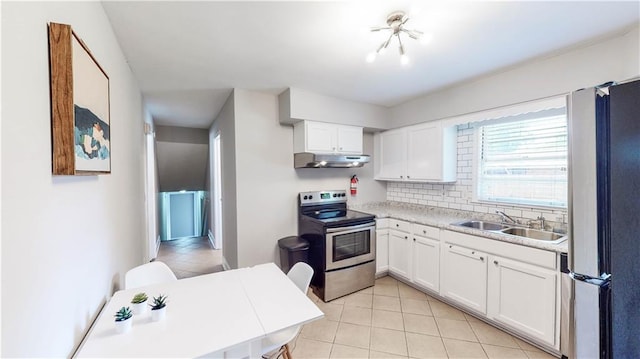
(524, 162)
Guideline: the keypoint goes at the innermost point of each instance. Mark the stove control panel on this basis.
(320, 197)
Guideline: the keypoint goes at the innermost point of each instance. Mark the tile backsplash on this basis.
(459, 195)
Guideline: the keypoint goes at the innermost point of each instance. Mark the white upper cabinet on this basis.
(421, 153)
(322, 137)
(349, 139)
(390, 150)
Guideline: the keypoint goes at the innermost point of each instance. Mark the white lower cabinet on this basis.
(426, 257)
(382, 250)
(414, 253)
(426, 263)
(464, 277)
(513, 285)
(523, 296)
(399, 253)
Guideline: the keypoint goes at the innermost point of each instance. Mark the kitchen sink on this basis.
(549, 237)
(486, 226)
(535, 234)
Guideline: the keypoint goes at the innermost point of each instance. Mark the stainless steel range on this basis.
(343, 243)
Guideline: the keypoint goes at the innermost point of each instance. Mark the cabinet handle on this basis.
(340, 148)
(450, 246)
(401, 176)
(495, 262)
(397, 225)
(414, 239)
(408, 176)
(424, 231)
(473, 252)
(405, 237)
(482, 259)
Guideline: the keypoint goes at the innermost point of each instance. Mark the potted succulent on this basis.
(158, 307)
(139, 303)
(123, 320)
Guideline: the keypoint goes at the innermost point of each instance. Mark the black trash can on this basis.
(293, 249)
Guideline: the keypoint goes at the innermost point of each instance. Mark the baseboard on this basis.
(225, 264)
(211, 239)
(157, 245)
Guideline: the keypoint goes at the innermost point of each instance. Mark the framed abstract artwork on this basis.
(80, 114)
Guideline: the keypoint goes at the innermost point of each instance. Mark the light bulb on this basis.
(404, 59)
(371, 57)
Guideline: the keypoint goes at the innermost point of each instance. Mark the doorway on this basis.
(217, 193)
(181, 214)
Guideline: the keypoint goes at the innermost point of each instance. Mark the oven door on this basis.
(351, 245)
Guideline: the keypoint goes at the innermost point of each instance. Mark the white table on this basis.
(207, 315)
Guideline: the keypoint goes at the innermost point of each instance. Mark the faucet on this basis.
(505, 217)
(541, 221)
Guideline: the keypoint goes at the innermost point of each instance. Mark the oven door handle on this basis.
(349, 228)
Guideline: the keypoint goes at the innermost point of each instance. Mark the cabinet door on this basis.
(424, 152)
(399, 247)
(382, 251)
(392, 153)
(464, 277)
(349, 139)
(426, 262)
(523, 296)
(321, 137)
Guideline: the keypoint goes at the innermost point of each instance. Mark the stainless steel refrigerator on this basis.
(604, 213)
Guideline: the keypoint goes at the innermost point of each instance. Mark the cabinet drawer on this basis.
(426, 231)
(399, 225)
(382, 223)
(536, 256)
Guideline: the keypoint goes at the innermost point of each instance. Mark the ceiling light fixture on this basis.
(395, 23)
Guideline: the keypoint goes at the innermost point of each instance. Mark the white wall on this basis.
(225, 123)
(615, 59)
(182, 155)
(151, 189)
(267, 183)
(297, 104)
(66, 241)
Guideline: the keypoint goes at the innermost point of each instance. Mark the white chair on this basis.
(278, 343)
(149, 273)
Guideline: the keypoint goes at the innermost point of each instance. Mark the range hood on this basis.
(328, 160)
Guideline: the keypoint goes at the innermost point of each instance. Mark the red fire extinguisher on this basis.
(354, 185)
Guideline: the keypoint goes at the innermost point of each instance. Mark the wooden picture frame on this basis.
(80, 106)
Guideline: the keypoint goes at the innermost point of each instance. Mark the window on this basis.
(524, 162)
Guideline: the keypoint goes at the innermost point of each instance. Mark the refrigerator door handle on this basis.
(599, 281)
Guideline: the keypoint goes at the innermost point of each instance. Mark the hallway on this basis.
(190, 257)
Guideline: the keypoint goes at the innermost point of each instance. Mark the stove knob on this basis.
(344, 195)
(334, 195)
(305, 197)
(310, 197)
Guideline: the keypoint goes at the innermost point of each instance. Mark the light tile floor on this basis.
(189, 257)
(394, 320)
(388, 320)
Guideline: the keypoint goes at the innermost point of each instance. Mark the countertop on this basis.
(442, 218)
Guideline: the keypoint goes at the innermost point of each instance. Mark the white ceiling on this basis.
(187, 56)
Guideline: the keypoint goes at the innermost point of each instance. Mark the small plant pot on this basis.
(139, 308)
(124, 326)
(158, 314)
